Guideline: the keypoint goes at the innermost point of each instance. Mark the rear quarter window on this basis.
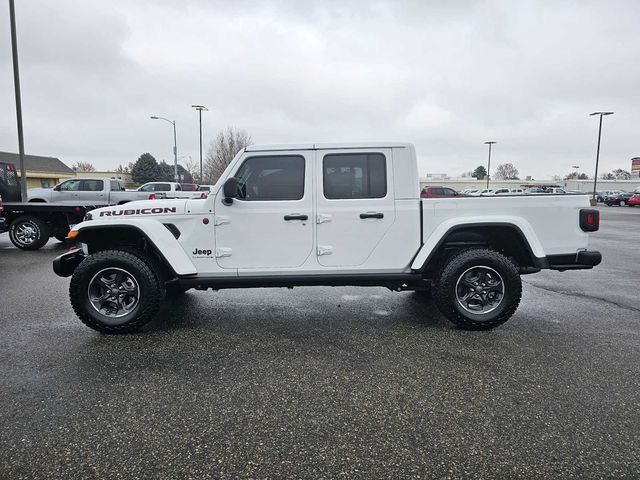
(354, 175)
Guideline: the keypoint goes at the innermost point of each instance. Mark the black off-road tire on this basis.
(151, 290)
(446, 299)
(40, 228)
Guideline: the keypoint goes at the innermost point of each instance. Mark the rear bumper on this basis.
(3, 225)
(64, 265)
(581, 260)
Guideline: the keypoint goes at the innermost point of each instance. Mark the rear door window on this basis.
(354, 175)
(92, 186)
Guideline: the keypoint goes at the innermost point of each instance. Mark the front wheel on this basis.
(622, 203)
(478, 289)
(116, 291)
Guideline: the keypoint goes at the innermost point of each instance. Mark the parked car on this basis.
(189, 187)
(439, 192)
(484, 192)
(205, 188)
(634, 200)
(600, 196)
(90, 191)
(620, 200)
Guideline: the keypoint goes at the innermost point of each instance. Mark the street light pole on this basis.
(200, 108)
(175, 145)
(489, 162)
(595, 176)
(16, 82)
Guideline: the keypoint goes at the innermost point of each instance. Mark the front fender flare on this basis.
(154, 232)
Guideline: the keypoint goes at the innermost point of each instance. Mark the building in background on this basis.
(635, 167)
(41, 171)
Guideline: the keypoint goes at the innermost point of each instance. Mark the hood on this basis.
(39, 192)
(140, 208)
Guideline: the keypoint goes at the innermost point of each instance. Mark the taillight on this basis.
(152, 196)
(203, 195)
(1, 207)
(589, 220)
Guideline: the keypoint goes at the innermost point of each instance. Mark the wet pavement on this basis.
(326, 382)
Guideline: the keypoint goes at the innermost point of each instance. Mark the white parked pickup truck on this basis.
(324, 214)
(170, 190)
(93, 191)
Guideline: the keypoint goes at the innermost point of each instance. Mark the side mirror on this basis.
(230, 190)
(57, 188)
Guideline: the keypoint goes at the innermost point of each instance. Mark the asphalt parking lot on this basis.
(327, 382)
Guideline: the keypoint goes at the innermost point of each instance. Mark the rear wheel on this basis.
(29, 233)
(622, 203)
(116, 291)
(478, 289)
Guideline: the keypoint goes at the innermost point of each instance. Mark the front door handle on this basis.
(296, 216)
(372, 215)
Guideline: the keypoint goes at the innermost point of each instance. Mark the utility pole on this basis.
(595, 176)
(175, 146)
(200, 108)
(489, 162)
(16, 82)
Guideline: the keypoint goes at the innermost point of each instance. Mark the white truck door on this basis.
(355, 204)
(272, 225)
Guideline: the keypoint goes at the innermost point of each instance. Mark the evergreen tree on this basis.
(145, 169)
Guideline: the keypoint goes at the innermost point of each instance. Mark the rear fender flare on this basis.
(441, 232)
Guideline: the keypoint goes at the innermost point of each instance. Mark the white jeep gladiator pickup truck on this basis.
(323, 214)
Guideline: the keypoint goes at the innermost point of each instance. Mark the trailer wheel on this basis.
(478, 289)
(29, 233)
(116, 291)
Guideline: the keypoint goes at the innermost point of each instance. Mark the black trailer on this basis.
(31, 224)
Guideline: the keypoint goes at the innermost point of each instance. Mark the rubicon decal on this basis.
(139, 211)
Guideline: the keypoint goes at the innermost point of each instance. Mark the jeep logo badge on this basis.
(199, 253)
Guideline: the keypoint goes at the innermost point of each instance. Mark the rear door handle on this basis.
(371, 215)
(296, 216)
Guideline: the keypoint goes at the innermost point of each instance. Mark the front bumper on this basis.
(64, 265)
(581, 260)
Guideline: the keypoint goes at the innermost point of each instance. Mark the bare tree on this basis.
(124, 169)
(621, 174)
(506, 171)
(193, 167)
(83, 167)
(222, 150)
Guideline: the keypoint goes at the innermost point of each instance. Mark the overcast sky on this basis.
(445, 75)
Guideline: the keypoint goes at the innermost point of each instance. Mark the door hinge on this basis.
(220, 220)
(324, 250)
(223, 252)
(323, 217)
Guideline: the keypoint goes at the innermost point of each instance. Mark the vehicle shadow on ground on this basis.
(189, 311)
